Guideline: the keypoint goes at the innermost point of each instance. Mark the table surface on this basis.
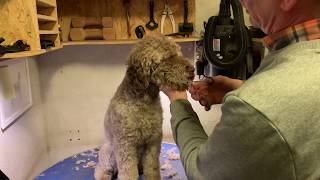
(81, 166)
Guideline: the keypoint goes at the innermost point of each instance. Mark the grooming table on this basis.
(81, 166)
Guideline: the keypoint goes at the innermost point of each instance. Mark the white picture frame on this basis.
(12, 109)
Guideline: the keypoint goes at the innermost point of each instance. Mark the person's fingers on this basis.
(199, 84)
(192, 90)
(208, 80)
(207, 105)
(195, 97)
(195, 93)
(207, 108)
(203, 102)
(198, 94)
(195, 86)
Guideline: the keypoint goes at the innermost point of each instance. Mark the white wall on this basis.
(206, 9)
(22, 144)
(77, 84)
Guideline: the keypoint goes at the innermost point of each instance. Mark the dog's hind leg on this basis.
(150, 161)
(106, 166)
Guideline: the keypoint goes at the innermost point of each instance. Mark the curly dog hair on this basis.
(133, 121)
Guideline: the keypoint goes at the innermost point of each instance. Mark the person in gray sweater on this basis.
(270, 124)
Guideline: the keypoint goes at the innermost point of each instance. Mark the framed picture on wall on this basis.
(15, 91)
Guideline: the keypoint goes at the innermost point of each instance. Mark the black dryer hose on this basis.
(233, 36)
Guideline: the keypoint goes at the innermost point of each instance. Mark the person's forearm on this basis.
(188, 134)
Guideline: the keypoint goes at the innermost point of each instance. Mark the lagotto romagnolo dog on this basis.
(133, 122)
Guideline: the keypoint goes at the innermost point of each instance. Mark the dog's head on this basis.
(158, 60)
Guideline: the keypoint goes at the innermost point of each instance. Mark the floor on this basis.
(81, 166)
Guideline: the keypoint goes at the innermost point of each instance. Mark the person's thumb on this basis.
(206, 104)
(208, 80)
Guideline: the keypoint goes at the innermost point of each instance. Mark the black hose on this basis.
(233, 32)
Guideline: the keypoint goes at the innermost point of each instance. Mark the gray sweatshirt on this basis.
(269, 128)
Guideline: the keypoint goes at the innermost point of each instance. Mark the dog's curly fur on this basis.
(133, 122)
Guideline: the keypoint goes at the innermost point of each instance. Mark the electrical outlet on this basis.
(74, 136)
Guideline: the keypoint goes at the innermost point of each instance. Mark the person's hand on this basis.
(173, 94)
(212, 90)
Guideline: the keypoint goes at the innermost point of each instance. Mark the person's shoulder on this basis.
(282, 76)
(283, 68)
(302, 48)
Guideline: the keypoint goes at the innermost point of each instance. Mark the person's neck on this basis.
(291, 22)
(302, 12)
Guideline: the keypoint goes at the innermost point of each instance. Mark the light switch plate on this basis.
(11, 109)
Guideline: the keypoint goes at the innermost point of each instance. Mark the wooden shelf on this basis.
(46, 18)
(27, 53)
(114, 8)
(130, 41)
(22, 54)
(190, 39)
(45, 3)
(48, 32)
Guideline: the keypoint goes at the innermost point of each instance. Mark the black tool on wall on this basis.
(16, 47)
(140, 31)
(152, 25)
(45, 44)
(185, 27)
(126, 4)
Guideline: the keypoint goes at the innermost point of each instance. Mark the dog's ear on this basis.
(139, 74)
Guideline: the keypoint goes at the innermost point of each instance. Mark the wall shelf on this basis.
(48, 21)
(27, 53)
(45, 4)
(46, 18)
(22, 54)
(48, 32)
(130, 41)
(40, 20)
(139, 15)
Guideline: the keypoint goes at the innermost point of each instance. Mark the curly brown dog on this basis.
(133, 122)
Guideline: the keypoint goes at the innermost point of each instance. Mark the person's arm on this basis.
(188, 134)
(244, 145)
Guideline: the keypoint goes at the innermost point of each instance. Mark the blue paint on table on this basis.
(81, 166)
